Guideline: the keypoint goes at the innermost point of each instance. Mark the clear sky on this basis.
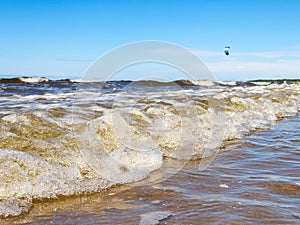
(61, 38)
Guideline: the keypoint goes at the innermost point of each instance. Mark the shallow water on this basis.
(67, 139)
(252, 181)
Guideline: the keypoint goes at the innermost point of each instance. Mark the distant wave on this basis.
(150, 83)
(30, 80)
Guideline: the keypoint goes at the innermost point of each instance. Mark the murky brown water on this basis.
(253, 181)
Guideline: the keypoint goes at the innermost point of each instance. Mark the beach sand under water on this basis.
(247, 135)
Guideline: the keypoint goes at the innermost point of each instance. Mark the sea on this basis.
(149, 152)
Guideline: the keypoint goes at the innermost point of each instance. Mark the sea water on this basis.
(63, 138)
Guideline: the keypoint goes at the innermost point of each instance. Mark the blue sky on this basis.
(61, 38)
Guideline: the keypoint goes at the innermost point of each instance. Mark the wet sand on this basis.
(252, 181)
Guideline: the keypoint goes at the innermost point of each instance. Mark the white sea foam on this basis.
(26, 176)
(204, 83)
(33, 79)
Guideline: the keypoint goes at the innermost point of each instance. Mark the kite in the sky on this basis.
(226, 50)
